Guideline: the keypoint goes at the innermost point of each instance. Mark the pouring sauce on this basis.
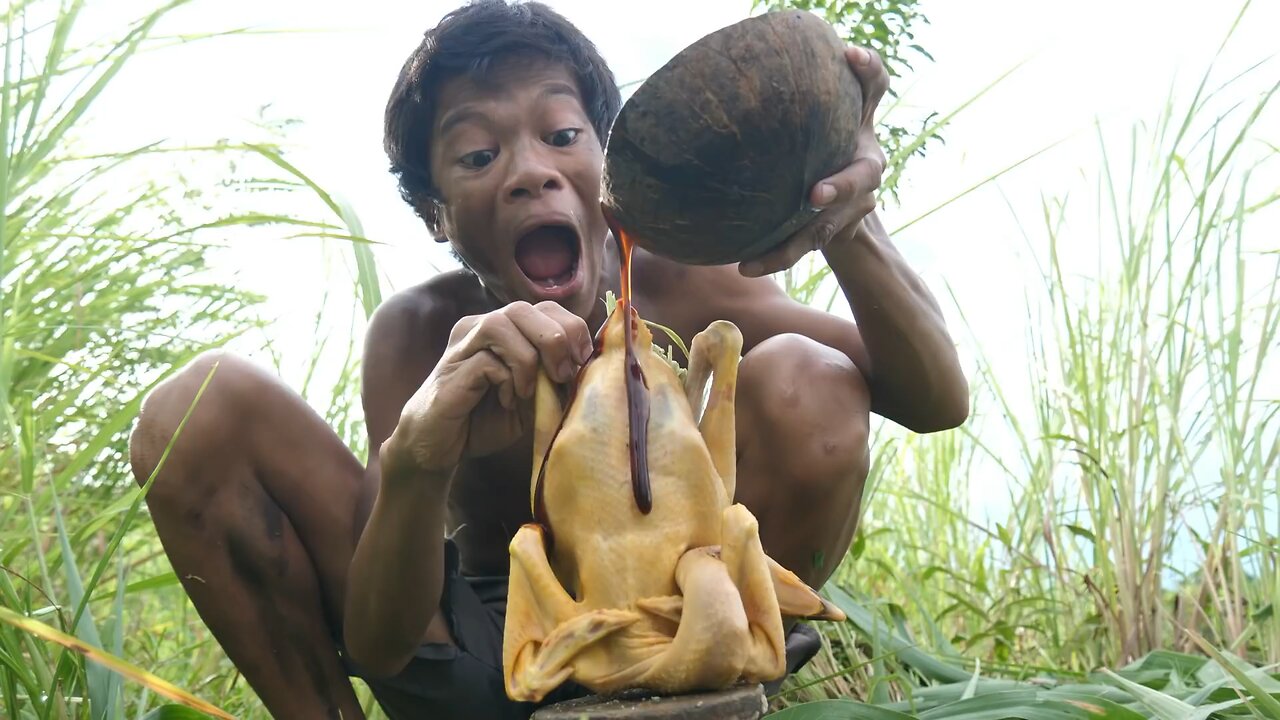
(637, 396)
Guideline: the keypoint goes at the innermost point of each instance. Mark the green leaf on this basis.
(115, 685)
(1165, 660)
(99, 678)
(923, 698)
(819, 558)
(155, 582)
(1030, 705)
(1081, 532)
(859, 546)
(884, 636)
(1164, 706)
(175, 712)
(838, 710)
(1267, 704)
(102, 657)
(1264, 613)
(972, 688)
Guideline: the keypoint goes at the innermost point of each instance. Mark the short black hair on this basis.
(470, 41)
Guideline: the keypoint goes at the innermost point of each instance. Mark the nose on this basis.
(532, 172)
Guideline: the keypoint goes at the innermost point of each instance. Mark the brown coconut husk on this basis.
(712, 160)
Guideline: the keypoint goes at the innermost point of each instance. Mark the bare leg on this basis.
(803, 412)
(258, 506)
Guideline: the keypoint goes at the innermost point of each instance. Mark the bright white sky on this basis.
(1108, 60)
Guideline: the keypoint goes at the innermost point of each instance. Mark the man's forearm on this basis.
(397, 572)
(914, 372)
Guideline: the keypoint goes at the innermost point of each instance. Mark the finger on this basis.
(776, 260)
(557, 347)
(472, 378)
(488, 366)
(496, 333)
(872, 75)
(867, 145)
(862, 177)
(869, 149)
(462, 327)
(581, 343)
(815, 235)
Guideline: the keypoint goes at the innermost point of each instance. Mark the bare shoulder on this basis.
(405, 339)
(419, 318)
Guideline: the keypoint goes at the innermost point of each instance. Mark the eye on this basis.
(563, 138)
(477, 159)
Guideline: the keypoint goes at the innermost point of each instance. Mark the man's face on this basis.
(518, 166)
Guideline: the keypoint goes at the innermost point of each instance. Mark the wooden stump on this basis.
(745, 702)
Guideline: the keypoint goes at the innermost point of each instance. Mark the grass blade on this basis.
(1266, 703)
(83, 625)
(115, 688)
(906, 652)
(1163, 706)
(101, 657)
(174, 712)
(838, 710)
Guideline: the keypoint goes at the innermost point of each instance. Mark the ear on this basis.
(442, 227)
(433, 212)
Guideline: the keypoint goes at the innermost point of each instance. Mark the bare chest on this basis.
(488, 502)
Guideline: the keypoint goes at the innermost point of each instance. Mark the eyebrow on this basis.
(558, 88)
(467, 113)
(458, 116)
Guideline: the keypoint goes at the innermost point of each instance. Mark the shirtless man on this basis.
(309, 568)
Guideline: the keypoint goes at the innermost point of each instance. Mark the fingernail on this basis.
(584, 354)
(751, 269)
(826, 193)
(861, 56)
(566, 371)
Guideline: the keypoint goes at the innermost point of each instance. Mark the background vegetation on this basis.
(1142, 532)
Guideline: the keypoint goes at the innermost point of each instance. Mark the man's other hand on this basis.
(849, 195)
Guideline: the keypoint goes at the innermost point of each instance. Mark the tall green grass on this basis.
(1141, 450)
(104, 290)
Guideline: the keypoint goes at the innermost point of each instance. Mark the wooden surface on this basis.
(746, 702)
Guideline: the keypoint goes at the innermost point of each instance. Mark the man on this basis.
(307, 567)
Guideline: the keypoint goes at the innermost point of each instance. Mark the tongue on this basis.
(545, 253)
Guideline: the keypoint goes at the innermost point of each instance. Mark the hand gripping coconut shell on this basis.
(712, 160)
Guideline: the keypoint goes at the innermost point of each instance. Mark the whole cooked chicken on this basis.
(640, 570)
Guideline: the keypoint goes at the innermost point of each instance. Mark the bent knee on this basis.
(806, 408)
(198, 394)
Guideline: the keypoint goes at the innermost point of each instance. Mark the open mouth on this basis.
(548, 255)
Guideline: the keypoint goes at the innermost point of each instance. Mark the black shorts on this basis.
(464, 680)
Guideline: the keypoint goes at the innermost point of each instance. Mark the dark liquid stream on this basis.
(637, 398)
(637, 388)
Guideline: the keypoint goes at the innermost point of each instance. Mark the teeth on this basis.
(559, 280)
